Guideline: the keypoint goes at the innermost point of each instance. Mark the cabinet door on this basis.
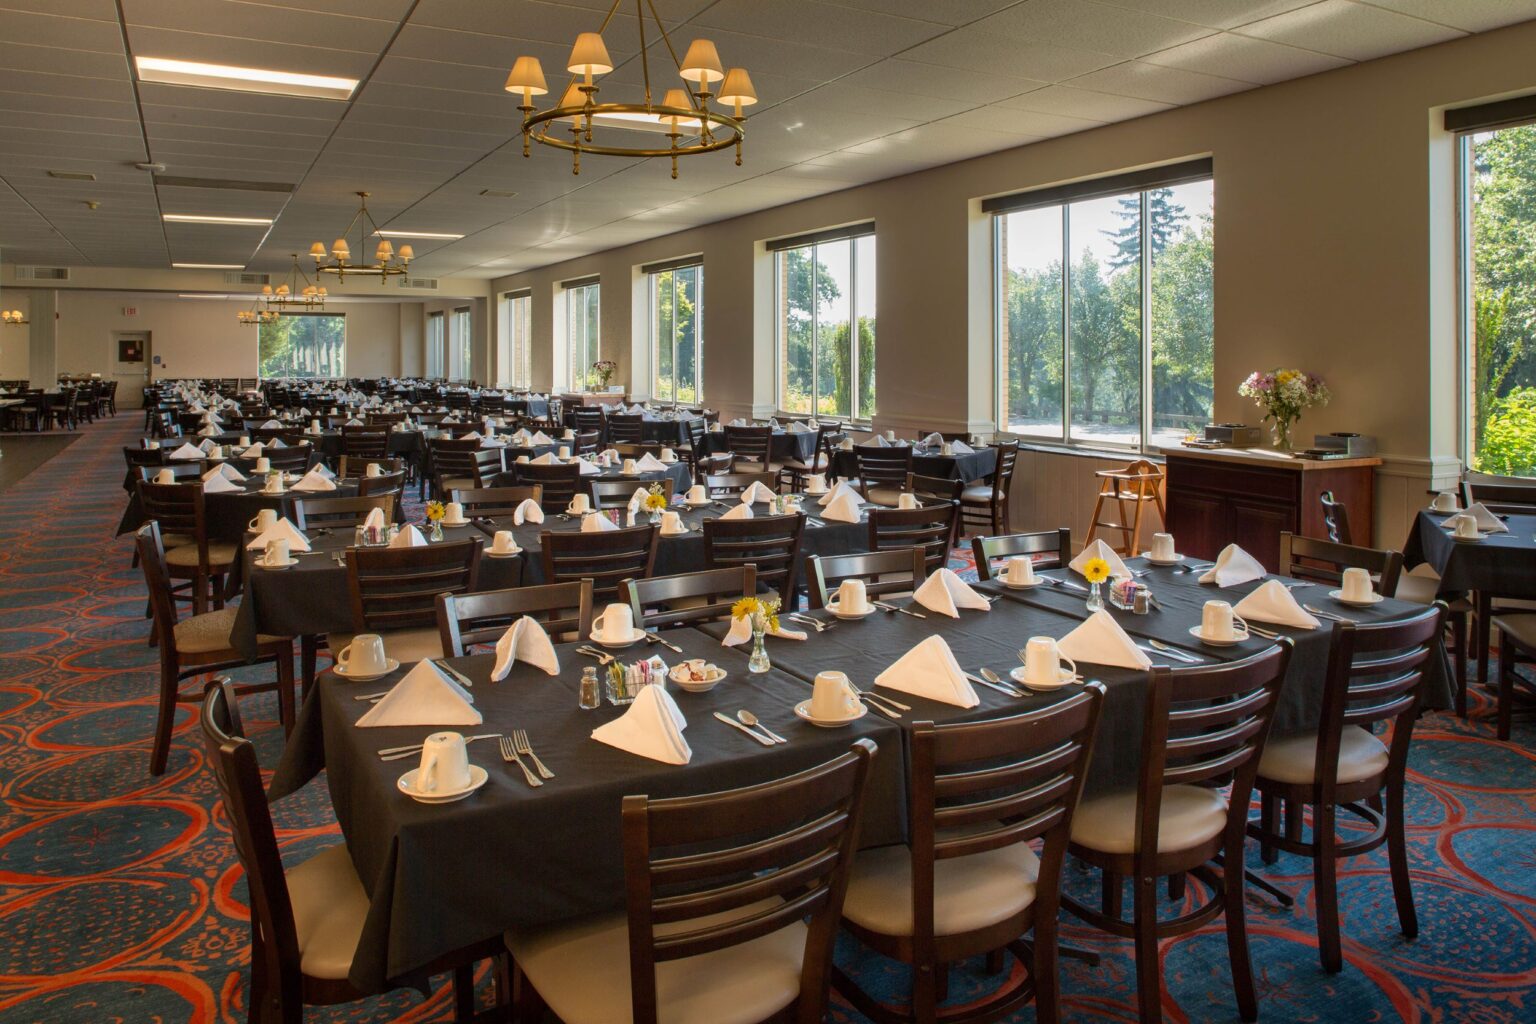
(1257, 525)
(1198, 521)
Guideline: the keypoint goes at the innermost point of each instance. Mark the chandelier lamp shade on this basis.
(387, 262)
(582, 123)
(14, 317)
(297, 291)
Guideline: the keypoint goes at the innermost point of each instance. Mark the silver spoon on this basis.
(997, 681)
(751, 721)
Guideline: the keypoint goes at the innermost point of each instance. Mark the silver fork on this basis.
(509, 754)
(520, 742)
(807, 620)
(593, 652)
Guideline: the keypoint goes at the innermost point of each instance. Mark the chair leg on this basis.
(1325, 876)
(1506, 710)
(925, 992)
(1397, 856)
(165, 718)
(1237, 931)
(1149, 973)
(1043, 974)
(995, 961)
(285, 691)
(1459, 642)
(1269, 823)
(1176, 886)
(1111, 904)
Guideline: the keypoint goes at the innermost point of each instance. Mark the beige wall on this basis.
(15, 360)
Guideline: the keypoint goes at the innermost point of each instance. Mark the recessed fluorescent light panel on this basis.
(209, 218)
(417, 234)
(200, 295)
(224, 76)
(209, 266)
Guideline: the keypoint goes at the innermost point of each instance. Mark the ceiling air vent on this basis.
(165, 181)
(419, 282)
(72, 175)
(238, 277)
(42, 273)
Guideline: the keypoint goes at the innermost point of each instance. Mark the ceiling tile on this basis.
(1214, 13)
(1152, 82)
(1245, 59)
(1351, 30)
(907, 76)
(1471, 15)
(1094, 106)
(807, 21)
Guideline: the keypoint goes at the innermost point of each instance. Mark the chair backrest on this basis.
(688, 597)
(182, 472)
(384, 419)
(157, 580)
(1335, 518)
(355, 465)
(770, 544)
(626, 428)
(694, 865)
(632, 450)
(136, 457)
(616, 493)
(453, 457)
(975, 787)
(365, 442)
(749, 444)
(1007, 462)
(731, 485)
(1323, 561)
(593, 420)
(558, 484)
(1054, 545)
(487, 465)
(493, 501)
(1498, 493)
(883, 572)
(385, 483)
(465, 620)
(697, 430)
(587, 442)
(883, 467)
(930, 527)
(606, 558)
(291, 459)
(941, 488)
(340, 513)
(397, 588)
(179, 509)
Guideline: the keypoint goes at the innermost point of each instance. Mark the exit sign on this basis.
(130, 311)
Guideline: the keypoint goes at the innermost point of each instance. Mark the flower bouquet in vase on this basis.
(762, 614)
(1283, 394)
(603, 370)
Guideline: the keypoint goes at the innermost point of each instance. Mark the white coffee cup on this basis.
(274, 484)
(618, 623)
(374, 469)
(668, 455)
(630, 468)
(244, 441)
(579, 503)
(833, 698)
(851, 597)
(569, 434)
(277, 552)
(265, 518)
(671, 523)
(1446, 501)
(454, 513)
(444, 764)
(314, 426)
(523, 460)
(1464, 525)
(263, 465)
(1356, 585)
(946, 448)
(364, 656)
(165, 476)
(1162, 547)
(906, 499)
(503, 542)
(564, 452)
(890, 435)
(1219, 622)
(1042, 662)
(1021, 570)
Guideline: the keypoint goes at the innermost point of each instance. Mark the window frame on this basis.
(515, 344)
(341, 371)
(581, 378)
(436, 345)
(461, 344)
(851, 234)
(653, 273)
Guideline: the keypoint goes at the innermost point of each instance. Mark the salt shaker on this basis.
(590, 697)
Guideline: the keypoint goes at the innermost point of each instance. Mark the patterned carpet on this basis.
(120, 898)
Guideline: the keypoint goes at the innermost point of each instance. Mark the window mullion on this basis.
(1066, 325)
(1146, 323)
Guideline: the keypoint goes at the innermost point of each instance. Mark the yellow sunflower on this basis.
(1096, 570)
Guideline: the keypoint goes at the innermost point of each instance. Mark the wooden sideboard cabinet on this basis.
(1226, 496)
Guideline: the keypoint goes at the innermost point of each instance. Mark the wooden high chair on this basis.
(1130, 489)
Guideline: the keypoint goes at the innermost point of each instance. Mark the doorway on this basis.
(131, 362)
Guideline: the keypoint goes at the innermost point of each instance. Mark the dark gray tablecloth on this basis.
(537, 408)
(785, 445)
(1501, 563)
(443, 877)
(229, 513)
(929, 462)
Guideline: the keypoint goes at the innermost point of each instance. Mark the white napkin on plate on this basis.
(374, 519)
(758, 492)
(652, 727)
(205, 446)
(843, 487)
(741, 511)
(844, 509)
(596, 523)
(473, 435)
(525, 641)
(520, 438)
(1234, 566)
(738, 422)
(255, 451)
(426, 696)
(961, 448)
(187, 452)
(741, 632)
(609, 455)
(946, 593)
(1101, 641)
(225, 470)
(409, 537)
(278, 442)
(314, 480)
(527, 512)
(934, 438)
(209, 431)
(280, 530)
(216, 484)
(547, 459)
(1098, 549)
(638, 498)
(539, 437)
(585, 468)
(1486, 520)
(930, 670)
(649, 463)
(878, 441)
(271, 425)
(354, 422)
(796, 427)
(324, 471)
(1274, 602)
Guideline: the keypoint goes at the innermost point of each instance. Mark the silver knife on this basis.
(995, 686)
(897, 608)
(728, 720)
(463, 680)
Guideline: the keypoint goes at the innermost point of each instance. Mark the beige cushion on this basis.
(887, 496)
(977, 494)
(176, 540)
(1294, 758)
(185, 556)
(1190, 816)
(404, 645)
(1522, 628)
(329, 908)
(968, 892)
(201, 634)
(582, 971)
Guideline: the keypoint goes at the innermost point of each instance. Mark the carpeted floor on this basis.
(120, 898)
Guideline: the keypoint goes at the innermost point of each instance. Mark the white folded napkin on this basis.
(741, 511)
(652, 727)
(608, 455)
(324, 471)
(934, 438)
(278, 442)
(844, 508)
(796, 427)
(354, 422)
(585, 468)
(313, 481)
(374, 520)
(637, 499)
(271, 425)
(738, 422)
(1274, 602)
(302, 412)
(426, 696)
(527, 512)
(1234, 566)
(195, 407)
(520, 438)
(473, 435)
(209, 431)
(930, 670)
(1486, 520)
(1101, 641)
(216, 484)
(409, 537)
(187, 452)
(227, 472)
(946, 593)
(255, 451)
(280, 530)
(879, 441)
(525, 641)
(961, 448)
(649, 463)
(756, 493)
(1098, 549)
(205, 446)
(539, 437)
(741, 632)
(843, 487)
(596, 523)
(547, 459)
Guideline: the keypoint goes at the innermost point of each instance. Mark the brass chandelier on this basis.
(291, 293)
(683, 115)
(255, 315)
(14, 317)
(386, 261)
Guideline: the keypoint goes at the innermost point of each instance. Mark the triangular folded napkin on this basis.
(409, 537)
(758, 492)
(1233, 566)
(225, 470)
(742, 511)
(1274, 602)
(738, 422)
(314, 480)
(844, 508)
(596, 523)
(525, 641)
(946, 593)
(208, 431)
(1486, 520)
(741, 632)
(325, 470)
(547, 459)
(796, 427)
(527, 512)
(649, 463)
(255, 451)
(932, 440)
(426, 696)
(637, 499)
(1098, 549)
(354, 422)
(1101, 641)
(280, 530)
(961, 448)
(374, 519)
(843, 487)
(217, 484)
(930, 670)
(271, 425)
(539, 437)
(187, 452)
(652, 727)
(585, 468)
(878, 441)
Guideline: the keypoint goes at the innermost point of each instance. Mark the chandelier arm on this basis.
(664, 37)
(645, 60)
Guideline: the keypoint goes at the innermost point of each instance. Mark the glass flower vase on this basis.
(1281, 432)
(655, 518)
(758, 662)
(1095, 596)
(436, 530)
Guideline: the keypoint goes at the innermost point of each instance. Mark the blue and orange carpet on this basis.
(121, 900)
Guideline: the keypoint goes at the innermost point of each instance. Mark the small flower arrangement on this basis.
(655, 501)
(1096, 570)
(604, 369)
(436, 510)
(1283, 394)
(763, 612)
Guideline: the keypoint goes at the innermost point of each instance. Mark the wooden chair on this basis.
(180, 511)
(467, 620)
(1055, 545)
(987, 504)
(340, 513)
(394, 594)
(557, 484)
(365, 442)
(750, 447)
(692, 449)
(616, 493)
(607, 558)
(626, 428)
(769, 544)
(1130, 489)
(1519, 499)
(290, 459)
(968, 883)
(732, 485)
(1323, 561)
(883, 572)
(385, 484)
(1203, 727)
(930, 527)
(682, 600)
(1335, 518)
(1489, 492)
(591, 420)
(1517, 646)
(695, 928)
(587, 442)
(829, 434)
(294, 910)
(196, 646)
(883, 472)
(349, 467)
(629, 450)
(494, 501)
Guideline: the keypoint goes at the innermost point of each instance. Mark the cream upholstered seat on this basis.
(329, 908)
(210, 631)
(185, 555)
(969, 893)
(977, 493)
(1294, 758)
(404, 645)
(1190, 816)
(740, 984)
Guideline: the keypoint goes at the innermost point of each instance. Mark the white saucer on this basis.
(683, 681)
(700, 504)
(631, 475)
(262, 562)
(459, 522)
(407, 785)
(390, 664)
(1338, 595)
(1238, 638)
(1175, 560)
(503, 554)
(816, 494)
(1066, 679)
(1444, 511)
(638, 634)
(1467, 540)
(668, 462)
(833, 607)
(1039, 580)
(803, 711)
(680, 533)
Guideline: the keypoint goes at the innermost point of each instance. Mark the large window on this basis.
(677, 332)
(514, 365)
(1117, 350)
(582, 330)
(461, 345)
(1499, 297)
(304, 345)
(436, 345)
(825, 297)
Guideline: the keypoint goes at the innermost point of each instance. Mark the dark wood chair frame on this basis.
(340, 513)
(931, 527)
(769, 544)
(708, 596)
(994, 515)
(606, 558)
(1057, 543)
(1323, 561)
(494, 501)
(466, 620)
(823, 573)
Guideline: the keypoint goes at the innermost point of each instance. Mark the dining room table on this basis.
(228, 513)
(929, 461)
(782, 446)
